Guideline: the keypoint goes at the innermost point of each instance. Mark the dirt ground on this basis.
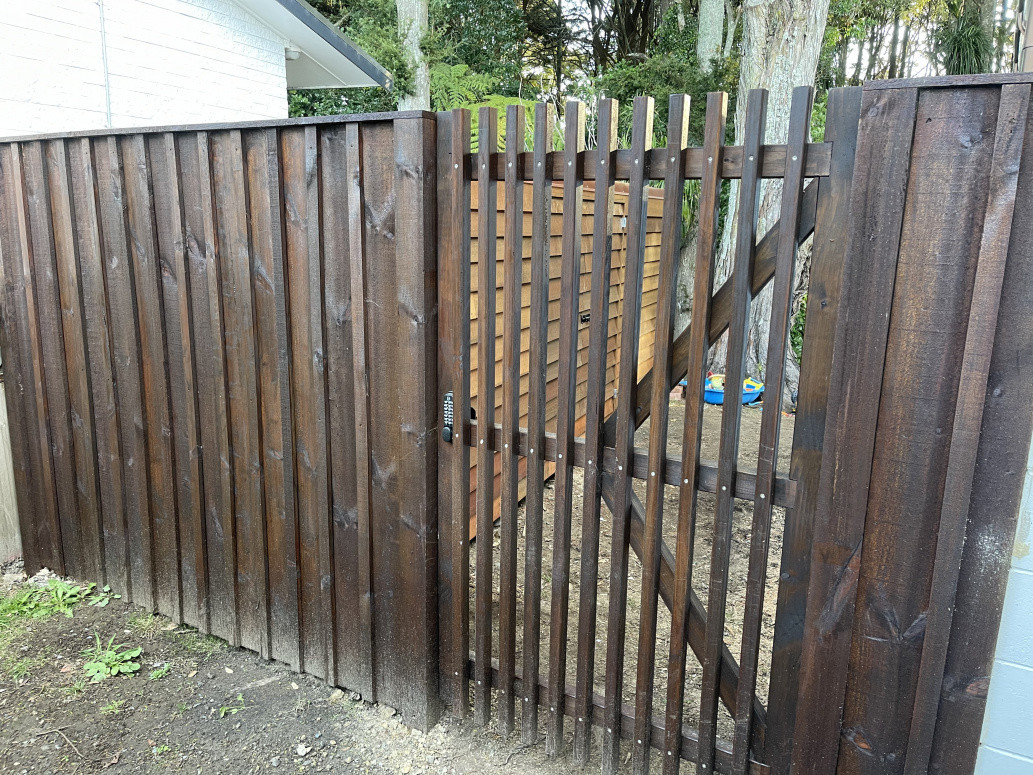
(198, 706)
(738, 568)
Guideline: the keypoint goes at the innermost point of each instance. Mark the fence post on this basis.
(401, 315)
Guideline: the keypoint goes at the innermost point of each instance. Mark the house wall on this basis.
(1006, 745)
(89, 64)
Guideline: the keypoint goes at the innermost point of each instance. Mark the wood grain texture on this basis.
(487, 141)
(731, 412)
(602, 253)
(703, 285)
(670, 255)
(924, 346)
(881, 173)
(992, 260)
(570, 322)
(510, 459)
(543, 124)
(641, 140)
(830, 225)
(994, 507)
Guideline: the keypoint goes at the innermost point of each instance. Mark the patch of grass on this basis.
(58, 596)
(233, 708)
(108, 660)
(113, 708)
(202, 646)
(21, 668)
(147, 624)
(158, 673)
(77, 688)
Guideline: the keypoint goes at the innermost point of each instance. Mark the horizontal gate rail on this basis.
(656, 163)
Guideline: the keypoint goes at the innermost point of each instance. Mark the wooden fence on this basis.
(193, 391)
(651, 272)
(241, 358)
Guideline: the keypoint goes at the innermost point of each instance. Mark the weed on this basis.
(21, 668)
(77, 688)
(200, 645)
(232, 710)
(105, 661)
(147, 624)
(181, 708)
(58, 596)
(113, 708)
(103, 597)
(159, 673)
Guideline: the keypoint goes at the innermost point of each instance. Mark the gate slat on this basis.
(487, 220)
(122, 313)
(456, 273)
(66, 254)
(151, 330)
(55, 382)
(731, 411)
(512, 274)
(357, 254)
(20, 313)
(767, 455)
(570, 286)
(272, 346)
(823, 293)
(670, 253)
(241, 387)
(641, 140)
(602, 247)
(703, 285)
(539, 323)
(98, 350)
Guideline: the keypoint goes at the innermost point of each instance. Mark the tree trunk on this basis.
(781, 41)
(412, 27)
(711, 32)
(894, 46)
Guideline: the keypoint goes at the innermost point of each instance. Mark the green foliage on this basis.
(108, 660)
(453, 86)
(488, 36)
(670, 68)
(158, 673)
(58, 596)
(796, 330)
(233, 708)
(964, 46)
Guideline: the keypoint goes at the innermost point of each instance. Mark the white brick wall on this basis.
(66, 63)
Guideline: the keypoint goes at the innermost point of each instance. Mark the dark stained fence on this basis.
(203, 334)
(606, 455)
(228, 351)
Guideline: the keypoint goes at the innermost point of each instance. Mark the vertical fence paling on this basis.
(703, 288)
(539, 323)
(602, 240)
(670, 252)
(513, 267)
(570, 293)
(767, 457)
(641, 141)
(731, 411)
(456, 275)
(487, 212)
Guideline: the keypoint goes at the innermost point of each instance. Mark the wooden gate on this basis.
(604, 464)
(915, 348)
